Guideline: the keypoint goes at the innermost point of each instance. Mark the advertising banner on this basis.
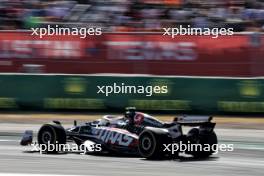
(238, 55)
(174, 94)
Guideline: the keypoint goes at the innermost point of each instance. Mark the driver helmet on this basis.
(130, 114)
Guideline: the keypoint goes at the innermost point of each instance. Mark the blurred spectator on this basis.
(130, 15)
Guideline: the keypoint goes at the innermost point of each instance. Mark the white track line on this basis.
(15, 174)
(8, 140)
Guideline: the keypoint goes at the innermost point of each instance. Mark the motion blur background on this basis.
(203, 75)
(133, 15)
(56, 78)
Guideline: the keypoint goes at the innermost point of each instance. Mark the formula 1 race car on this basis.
(134, 133)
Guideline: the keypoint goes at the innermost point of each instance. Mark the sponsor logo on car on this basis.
(113, 137)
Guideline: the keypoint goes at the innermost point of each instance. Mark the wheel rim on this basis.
(146, 143)
(46, 137)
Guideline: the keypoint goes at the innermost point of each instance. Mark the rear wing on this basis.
(193, 120)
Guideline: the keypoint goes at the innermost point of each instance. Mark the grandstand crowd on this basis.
(133, 15)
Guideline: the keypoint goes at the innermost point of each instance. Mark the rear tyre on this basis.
(207, 141)
(49, 138)
(151, 144)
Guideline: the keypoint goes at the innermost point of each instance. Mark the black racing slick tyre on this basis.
(151, 144)
(207, 140)
(50, 137)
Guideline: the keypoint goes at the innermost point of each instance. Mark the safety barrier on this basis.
(204, 95)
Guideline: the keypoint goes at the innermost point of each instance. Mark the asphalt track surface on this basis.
(246, 159)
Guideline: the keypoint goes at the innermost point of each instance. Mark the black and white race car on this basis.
(134, 133)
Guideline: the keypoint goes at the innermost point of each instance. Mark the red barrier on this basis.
(238, 55)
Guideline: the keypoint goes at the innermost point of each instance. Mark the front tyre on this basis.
(50, 137)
